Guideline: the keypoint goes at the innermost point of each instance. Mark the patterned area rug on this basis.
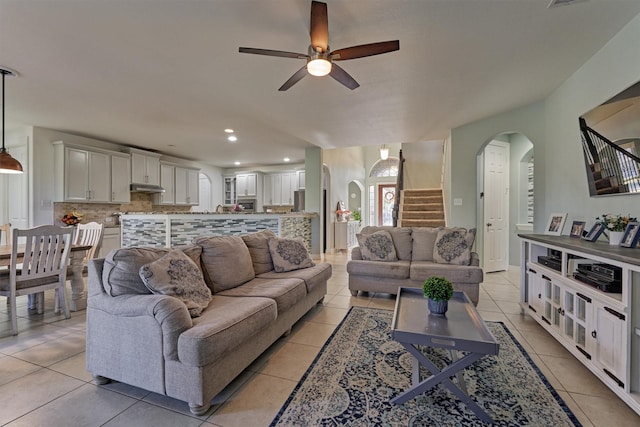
(360, 369)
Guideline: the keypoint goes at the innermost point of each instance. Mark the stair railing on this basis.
(620, 167)
(399, 188)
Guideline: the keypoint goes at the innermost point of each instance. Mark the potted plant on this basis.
(438, 291)
(616, 225)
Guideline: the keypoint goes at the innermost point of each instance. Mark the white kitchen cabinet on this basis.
(145, 167)
(246, 185)
(229, 190)
(120, 178)
(187, 186)
(82, 175)
(110, 241)
(279, 188)
(610, 341)
(301, 180)
(167, 181)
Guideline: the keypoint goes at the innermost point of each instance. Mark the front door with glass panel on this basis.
(386, 199)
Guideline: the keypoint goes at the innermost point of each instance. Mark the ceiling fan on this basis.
(320, 60)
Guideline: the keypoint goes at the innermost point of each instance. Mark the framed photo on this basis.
(555, 224)
(595, 232)
(631, 235)
(576, 229)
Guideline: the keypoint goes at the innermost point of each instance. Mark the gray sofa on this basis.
(420, 252)
(151, 341)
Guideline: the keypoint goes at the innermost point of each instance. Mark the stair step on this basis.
(422, 223)
(422, 199)
(422, 207)
(423, 192)
(423, 215)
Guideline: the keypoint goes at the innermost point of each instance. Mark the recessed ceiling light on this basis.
(236, 163)
(228, 130)
(232, 138)
(286, 159)
(171, 145)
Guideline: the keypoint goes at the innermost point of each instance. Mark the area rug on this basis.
(360, 369)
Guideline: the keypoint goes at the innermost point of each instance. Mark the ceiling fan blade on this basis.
(294, 79)
(363, 50)
(319, 28)
(343, 77)
(269, 52)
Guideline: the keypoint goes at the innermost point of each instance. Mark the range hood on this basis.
(146, 188)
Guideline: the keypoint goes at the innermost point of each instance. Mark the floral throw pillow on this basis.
(377, 246)
(453, 246)
(176, 274)
(289, 254)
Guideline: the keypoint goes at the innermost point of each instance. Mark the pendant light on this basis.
(7, 163)
(384, 152)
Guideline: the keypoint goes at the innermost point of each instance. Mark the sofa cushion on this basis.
(377, 246)
(226, 262)
(121, 266)
(193, 251)
(258, 244)
(420, 270)
(424, 240)
(285, 292)
(289, 254)
(453, 246)
(312, 276)
(382, 269)
(225, 324)
(175, 274)
(401, 236)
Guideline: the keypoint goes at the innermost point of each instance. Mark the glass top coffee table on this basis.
(461, 329)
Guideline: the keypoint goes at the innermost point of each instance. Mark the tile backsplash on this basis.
(103, 212)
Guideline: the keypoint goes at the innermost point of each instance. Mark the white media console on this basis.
(601, 329)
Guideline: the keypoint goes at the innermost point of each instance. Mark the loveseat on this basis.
(389, 257)
(184, 322)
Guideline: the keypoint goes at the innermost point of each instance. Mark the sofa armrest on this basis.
(475, 259)
(355, 253)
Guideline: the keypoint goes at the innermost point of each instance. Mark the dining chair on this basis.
(5, 230)
(44, 266)
(89, 234)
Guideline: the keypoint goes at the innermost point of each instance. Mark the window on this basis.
(384, 168)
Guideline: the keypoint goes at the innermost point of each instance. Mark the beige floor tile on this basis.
(524, 322)
(555, 383)
(544, 344)
(92, 406)
(327, 314)
(311, 333)
(577, 411)
(12, 368)
(256, 404)
(290, 361)
(54, 351)
(75, 366)
(144, 414)
(575, 377)
(487, 304)
(509, 307)
(606, 412)
(27, 393)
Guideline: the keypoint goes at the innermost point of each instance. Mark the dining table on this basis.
(76, 265)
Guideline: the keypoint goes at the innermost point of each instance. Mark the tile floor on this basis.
(43, 380)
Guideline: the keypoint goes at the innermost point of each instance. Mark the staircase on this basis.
(606, 185)
(422, 208)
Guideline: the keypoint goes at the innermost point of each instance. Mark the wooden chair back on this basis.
(46, 255)
(89, 234)
(5, 230)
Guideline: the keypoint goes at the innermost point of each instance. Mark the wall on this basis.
(423, 164)
(519, 146)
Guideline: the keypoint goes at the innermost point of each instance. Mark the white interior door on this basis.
(496, 206)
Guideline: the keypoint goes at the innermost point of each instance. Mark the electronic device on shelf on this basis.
(551, 262)
(607, 278)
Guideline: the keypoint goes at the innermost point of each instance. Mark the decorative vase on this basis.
(437, 308)
(615, 237)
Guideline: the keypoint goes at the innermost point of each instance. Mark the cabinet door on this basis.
(120, 179)
(610, 340)
(267, 190)
(276, 189)
(534, 292)
(193, 187)
(167, 182)
(110, 241)
(229, 190)
(287, 189)
(153, 170)
(301, 180)
(252, 184)
(241, 185)
(76, 174)
(99, 177)
(138, 168)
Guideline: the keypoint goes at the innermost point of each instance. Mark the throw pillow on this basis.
(258, 244)
(377, 246)
(121, 267)
(226, 262)
(176, 274)
(289, 254)
(453, 246)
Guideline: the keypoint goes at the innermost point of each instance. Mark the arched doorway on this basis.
(382, 183)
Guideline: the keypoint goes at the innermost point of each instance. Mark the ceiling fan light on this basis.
(384, 152)
(319, 67)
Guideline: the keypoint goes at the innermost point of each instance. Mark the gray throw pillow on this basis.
(121, 267)
(175, 274)
(453, 246)
(258, 244)
(289, 254)
(226, 262)
(377, 246)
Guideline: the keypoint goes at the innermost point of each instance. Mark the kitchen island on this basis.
(167, 229)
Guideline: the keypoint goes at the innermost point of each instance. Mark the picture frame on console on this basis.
(577, 228)
(595, 232)
(555, 224)
(631, 235)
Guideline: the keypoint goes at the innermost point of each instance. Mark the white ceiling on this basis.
(167, 75)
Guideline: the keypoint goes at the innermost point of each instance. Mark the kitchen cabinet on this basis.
(82, 175)
(120, 178)
(601, 329)
(279, 188)
(229, 190)
(145, 167)
(187, 186)
(301, 180)
(167, 181)
(110, 241)
(246, 185)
